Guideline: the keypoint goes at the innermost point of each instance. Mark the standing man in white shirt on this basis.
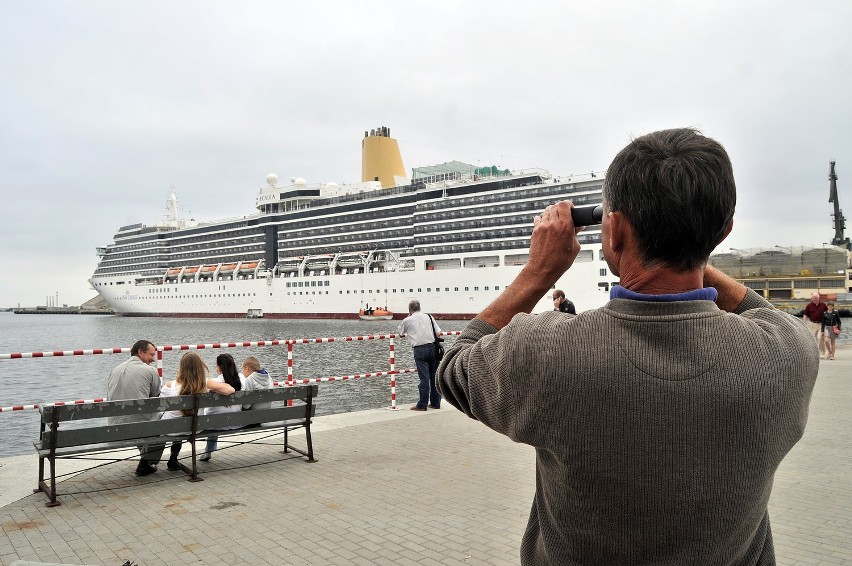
(420, 329)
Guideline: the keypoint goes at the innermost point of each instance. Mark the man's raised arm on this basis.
(553, 248)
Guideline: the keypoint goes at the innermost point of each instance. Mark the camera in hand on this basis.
(587, 215)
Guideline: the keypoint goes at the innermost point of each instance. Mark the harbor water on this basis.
(45, 380)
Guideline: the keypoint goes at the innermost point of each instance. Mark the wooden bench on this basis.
(69, 431)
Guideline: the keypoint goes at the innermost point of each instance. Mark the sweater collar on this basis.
(705, 294)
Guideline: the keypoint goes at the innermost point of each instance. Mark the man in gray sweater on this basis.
(136, 379)
(658, 436)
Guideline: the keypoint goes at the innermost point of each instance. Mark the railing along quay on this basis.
(289, 381)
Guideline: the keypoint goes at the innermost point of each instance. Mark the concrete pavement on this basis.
(374, 497)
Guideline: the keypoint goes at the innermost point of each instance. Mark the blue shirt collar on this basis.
(705, 294)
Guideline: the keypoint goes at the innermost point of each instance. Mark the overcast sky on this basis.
(106, 104)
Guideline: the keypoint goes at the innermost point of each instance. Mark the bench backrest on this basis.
(81, 436)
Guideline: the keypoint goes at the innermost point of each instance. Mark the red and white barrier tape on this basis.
(55, 403)
(179, 347)
(291, 383)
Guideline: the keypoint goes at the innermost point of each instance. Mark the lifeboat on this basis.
(228, 268)
(208, 269)
(289, 264)
(352, 259)
(250, 266)
(318, 262)
(173, 272)
(190, 271)
(375, 314)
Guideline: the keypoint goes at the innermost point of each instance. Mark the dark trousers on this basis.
(151, 452)
(427, 364)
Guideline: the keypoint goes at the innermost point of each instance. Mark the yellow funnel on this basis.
(380, 158)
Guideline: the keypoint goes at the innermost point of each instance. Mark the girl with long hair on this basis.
(226, 373)
(191, 380)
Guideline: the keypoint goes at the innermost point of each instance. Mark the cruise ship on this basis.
(453, 236)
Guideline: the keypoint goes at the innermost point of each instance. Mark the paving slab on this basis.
(389, 487)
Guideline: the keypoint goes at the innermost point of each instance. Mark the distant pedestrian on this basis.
(420, 329)
(830, 329)
(136, 379)
(561, 303)
(813, 317)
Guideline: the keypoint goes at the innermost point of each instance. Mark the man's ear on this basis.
(617, 234)
(727, 231)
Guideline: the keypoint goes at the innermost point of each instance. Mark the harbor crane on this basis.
(839, 220)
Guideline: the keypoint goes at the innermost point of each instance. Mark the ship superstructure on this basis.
(453, 236)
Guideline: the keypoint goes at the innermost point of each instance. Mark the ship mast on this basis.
(839, 219)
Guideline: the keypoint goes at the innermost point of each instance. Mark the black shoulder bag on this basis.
(439, 347)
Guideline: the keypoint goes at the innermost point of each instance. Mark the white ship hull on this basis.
(447, 293)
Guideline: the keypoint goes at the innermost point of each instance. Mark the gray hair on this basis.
(414, 306)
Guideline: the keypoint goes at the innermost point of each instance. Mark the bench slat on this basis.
(65, 451)
(141, 407)
(253, 416)
(183, 426)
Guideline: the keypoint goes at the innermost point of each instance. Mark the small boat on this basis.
(228, 268)
(173, 272)
(208, 269)
(355, 259)
(315, 263)
(249, 266)
(190, 271)
(254, 313)
(375, 314)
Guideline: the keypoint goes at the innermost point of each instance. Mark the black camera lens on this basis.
(587, 215)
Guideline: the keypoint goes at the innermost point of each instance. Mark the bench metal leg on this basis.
(287, 448)
(310, 443)
(42, 486)
(193, 474)
(50, 491)
(40, 474)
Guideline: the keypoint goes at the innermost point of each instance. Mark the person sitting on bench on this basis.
(255, 378)
(191, 380)
(226, 372)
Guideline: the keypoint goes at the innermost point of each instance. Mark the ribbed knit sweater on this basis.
(657, 426)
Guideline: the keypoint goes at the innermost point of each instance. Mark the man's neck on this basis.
(662, 280)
